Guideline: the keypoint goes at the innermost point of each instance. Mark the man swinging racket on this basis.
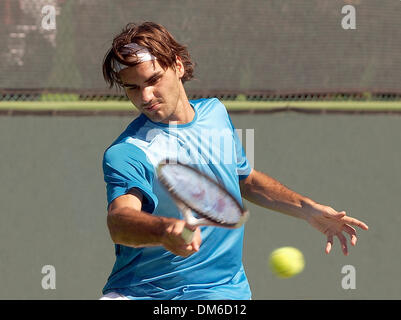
(153, 260)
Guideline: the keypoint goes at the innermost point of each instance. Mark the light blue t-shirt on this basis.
(210, 143)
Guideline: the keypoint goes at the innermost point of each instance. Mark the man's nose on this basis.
(147, 94)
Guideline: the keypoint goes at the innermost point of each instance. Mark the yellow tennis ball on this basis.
(286, 262)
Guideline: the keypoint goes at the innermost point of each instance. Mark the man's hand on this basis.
(269, 193)
(333, 223)
(130, 226)
(173, 241)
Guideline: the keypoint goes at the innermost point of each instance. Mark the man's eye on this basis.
(154, 81)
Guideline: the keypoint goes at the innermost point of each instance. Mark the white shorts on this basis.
(113, 296)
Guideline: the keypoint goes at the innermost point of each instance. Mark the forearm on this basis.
(269, 193)
(136, 228)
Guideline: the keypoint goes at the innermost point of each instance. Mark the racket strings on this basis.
(202, 194)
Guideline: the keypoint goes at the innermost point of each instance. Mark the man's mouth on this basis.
(152, 107)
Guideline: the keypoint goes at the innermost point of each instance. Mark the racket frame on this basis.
(185, 207)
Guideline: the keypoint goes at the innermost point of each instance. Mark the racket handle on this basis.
(187, 235)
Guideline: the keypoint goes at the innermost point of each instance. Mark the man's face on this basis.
(154, 91)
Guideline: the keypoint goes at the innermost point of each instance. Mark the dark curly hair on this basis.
(156, 39)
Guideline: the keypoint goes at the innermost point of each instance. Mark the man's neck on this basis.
(184, 112)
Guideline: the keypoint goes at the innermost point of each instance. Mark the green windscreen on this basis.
(238, 46)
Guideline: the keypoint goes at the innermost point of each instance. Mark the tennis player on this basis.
(152, 259)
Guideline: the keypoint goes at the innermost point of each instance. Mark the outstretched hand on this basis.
(333, 223)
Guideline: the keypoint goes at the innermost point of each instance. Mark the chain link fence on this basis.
(52, 50)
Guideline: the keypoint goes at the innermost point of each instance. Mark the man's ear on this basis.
(179, 67)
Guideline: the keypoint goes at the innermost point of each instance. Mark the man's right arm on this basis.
(130, 226)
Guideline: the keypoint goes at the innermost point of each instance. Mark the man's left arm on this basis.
(269, 193)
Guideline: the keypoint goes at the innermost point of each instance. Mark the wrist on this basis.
(166, 228)
(309, 208)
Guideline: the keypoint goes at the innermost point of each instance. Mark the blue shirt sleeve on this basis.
(125, 167)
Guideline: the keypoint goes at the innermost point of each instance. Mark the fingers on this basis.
(331, 213)
(197, 240)
(343, 242)
(174, 241)
(352, 232)
(185, 248)
(355, 222)
(333, 223)
(329, 244)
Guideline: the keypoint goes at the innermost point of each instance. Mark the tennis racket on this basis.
(193, 191)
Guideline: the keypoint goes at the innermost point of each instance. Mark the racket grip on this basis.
(187, 235)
